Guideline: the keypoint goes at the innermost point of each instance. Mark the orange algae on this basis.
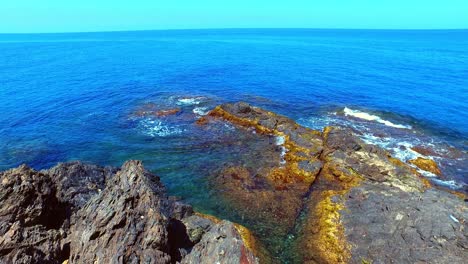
(426, 164)
(247, 237)
(325, 230)
(213, 219)
(286, 174)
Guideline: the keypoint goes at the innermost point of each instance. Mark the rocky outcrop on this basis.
(329, 195)
(127, 222)
(89, 214)
(31, 218)
(342, 200)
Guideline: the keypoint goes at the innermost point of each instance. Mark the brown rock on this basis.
(127, 222)
(31, 218)
(161, 113)
(426, 151)
(86, 214)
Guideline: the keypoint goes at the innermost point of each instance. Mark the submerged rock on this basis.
(268, 194)
(89, 214)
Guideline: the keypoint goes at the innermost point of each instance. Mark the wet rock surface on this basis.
(387, 225)
(340, 200)
(83, 213)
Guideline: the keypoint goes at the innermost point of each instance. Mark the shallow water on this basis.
(76, 96)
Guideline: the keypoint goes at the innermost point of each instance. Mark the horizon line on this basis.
(233, 28)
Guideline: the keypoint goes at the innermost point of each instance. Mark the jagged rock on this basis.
(77, 182)
(127, 222)
(30, 217)
(61, 214)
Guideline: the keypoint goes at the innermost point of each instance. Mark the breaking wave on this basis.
(190, 100)
(200, 111)
(370, 117)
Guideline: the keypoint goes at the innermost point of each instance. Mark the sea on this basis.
(80, 96)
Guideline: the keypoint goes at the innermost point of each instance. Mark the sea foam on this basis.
(190, 100)
(200, 111)
(156, 128)
(370, 117)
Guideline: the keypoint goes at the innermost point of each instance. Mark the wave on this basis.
(200, 111)
(156, 128)
(370, 117)
(190, 100)
(449, 184)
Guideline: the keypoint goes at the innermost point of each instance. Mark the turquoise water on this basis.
(73, 96)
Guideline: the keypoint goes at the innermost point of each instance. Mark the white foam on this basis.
(190, 100)
(370, 117)
(200, 111)
(424, 173)
(156, 128)
(279, 140)
(401, 150)
(283, 155)
(450, 184)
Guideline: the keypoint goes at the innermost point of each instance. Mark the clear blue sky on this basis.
(110, 15)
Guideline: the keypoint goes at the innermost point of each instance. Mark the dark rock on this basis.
(127, 222)
(76, 181)
(221, 244)
(85, 214)
(390, 225)
(30, 217)
(196, 226)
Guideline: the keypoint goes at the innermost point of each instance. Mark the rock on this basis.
(221, 244)
(197, 226)
(81, 213)
(388, 225)
(426, 164)
(167, 112)
(77, 182)
(344, 205)
(31, 218)
(127, 222)
(423, 150)
(269, 195)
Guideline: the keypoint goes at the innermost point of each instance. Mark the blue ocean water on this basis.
(71, 96)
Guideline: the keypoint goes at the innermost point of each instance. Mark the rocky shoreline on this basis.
(335, 199)
(80, 213)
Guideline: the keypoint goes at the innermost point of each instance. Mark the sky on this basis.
(38, 16)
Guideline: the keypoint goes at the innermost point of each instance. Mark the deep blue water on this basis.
(70, 96)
